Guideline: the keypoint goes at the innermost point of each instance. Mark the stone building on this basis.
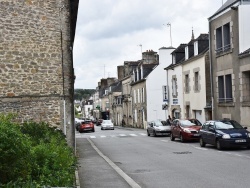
(230, 65)
(36, 64)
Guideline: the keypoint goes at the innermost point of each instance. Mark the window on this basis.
(223, 42)
(134, 96)
(142, 95)
(174, 59)
(138, 94)
(196, 81)
(225, 88)
(186, 52)
(246, 86)
(186, 83)
(174, 85)
(196, 48)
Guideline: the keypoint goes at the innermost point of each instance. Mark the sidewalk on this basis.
(93, 170)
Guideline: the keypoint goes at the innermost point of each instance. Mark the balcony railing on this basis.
(222, 49)
(225, 100)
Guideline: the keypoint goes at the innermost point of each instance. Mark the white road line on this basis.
(201, 148)
(164, 140)
(122, 134)
(133, 134)
(92, 136)
(228, 153)
(103, 136)
(238, 155)
(143, 134)
(128, 179)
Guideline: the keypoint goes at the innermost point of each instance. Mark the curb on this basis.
(77, 179)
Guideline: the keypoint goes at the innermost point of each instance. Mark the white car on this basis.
(107, 124)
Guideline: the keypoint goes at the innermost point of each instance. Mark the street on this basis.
(127, 157)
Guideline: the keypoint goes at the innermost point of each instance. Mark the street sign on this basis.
(165, 93)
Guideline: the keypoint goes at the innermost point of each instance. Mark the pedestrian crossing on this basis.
(79, 135)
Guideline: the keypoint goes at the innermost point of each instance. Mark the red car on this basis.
(185, 129)
(86, 126)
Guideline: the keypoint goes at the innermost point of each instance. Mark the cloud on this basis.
(108, 32)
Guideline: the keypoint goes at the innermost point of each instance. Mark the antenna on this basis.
(169, 25)
(141, 47)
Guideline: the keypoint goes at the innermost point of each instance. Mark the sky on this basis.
(109, 32)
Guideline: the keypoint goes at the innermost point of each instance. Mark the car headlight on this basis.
(186, 130)
(226, 136)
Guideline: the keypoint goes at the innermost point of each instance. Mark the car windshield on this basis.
(165, 123)
(228, 125)
(158, 123)
(186, 123)
(196, 122)
(106, 121)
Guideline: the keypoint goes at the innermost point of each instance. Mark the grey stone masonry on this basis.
(36, 65)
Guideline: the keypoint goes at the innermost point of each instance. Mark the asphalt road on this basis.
(123, 158)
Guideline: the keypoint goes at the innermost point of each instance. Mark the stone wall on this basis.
(36, 65)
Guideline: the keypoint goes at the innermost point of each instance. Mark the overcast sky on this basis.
(109, 32)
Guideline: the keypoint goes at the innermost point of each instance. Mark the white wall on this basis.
(200, 97)
(177, 71)
(154, 83)
(244, 28)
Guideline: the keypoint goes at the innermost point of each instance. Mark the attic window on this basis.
(186, 53)
(196, 48)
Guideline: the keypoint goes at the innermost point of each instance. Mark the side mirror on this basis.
(211, 129)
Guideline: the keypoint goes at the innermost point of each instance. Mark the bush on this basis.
(37, 154)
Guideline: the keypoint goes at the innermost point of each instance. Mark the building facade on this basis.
(37, 75)
(229, 48)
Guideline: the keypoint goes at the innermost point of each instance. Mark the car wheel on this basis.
(154, 134)
(93, 130)
(218, 145)
(148, 133)
(181, 138)
(101, 128)
(172, 137)
(202, 143)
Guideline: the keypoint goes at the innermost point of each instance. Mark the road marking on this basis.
(200, 148)
(103, 136)
(122, 134)
(238, 155)
(133, 134)
(143, 134)
(92, 136)
(128, 179)
(164, 140)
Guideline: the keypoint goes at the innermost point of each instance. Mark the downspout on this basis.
(211, 68)
(62, 60)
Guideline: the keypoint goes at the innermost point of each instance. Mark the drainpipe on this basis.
(211, 68)
(62, 60)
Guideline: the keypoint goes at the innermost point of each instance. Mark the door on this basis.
(211, 137)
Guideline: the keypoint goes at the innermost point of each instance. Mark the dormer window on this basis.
(186, 53)
(174, 60)
(196, 48)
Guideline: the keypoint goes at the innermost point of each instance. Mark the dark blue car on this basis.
(224, 134)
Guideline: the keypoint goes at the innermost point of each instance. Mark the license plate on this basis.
(240, 140)
(196, 135)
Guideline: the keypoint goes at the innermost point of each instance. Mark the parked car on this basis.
(158, 127)
(224, 134)
(185, 129)
(107, 124)
(78, 122)
(99, 122)
(86, 126)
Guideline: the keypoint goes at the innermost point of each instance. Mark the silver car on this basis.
(158, 127)
(107, 124)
